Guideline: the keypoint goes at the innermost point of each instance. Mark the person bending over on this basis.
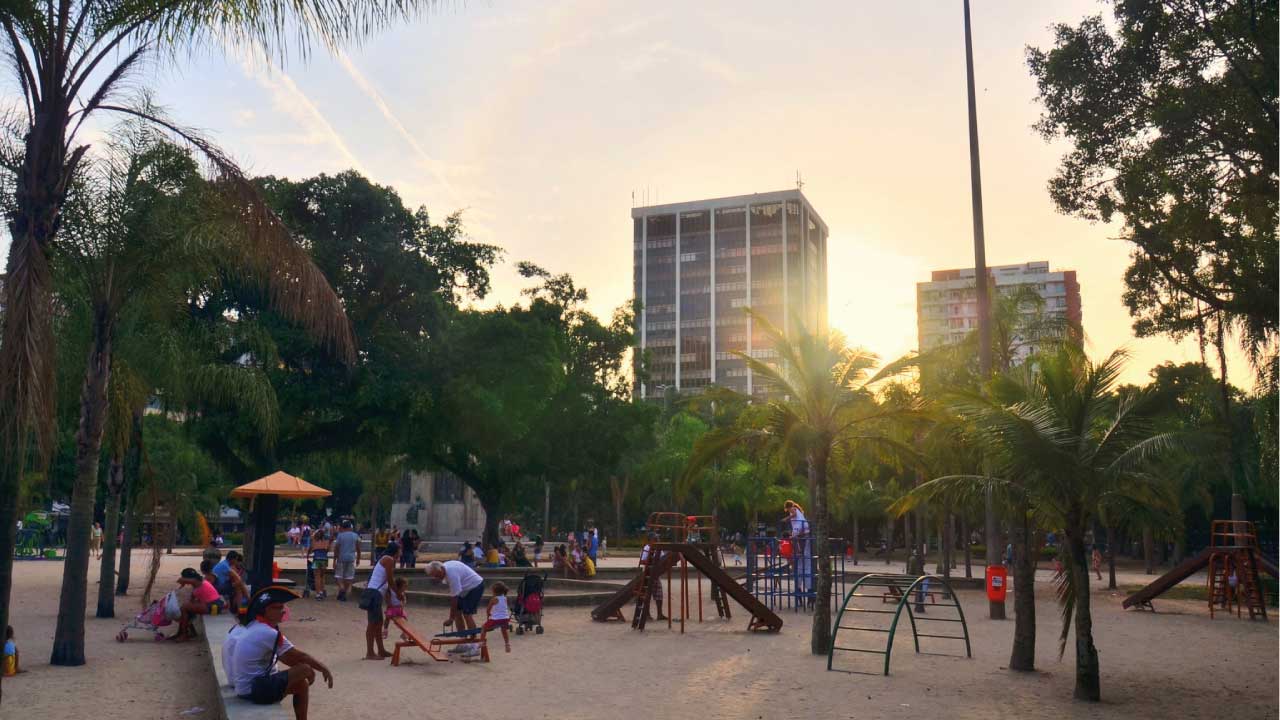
(466, 590)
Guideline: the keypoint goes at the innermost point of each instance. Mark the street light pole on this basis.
(980, 280)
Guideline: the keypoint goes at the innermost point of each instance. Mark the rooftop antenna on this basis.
(799, 181)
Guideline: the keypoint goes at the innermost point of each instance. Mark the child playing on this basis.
(11, 666)
(499, 614)
(395, 603)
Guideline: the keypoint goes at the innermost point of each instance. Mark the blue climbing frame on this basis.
(898, 589)
(789, 582)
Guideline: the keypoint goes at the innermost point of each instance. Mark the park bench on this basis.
(213, 628)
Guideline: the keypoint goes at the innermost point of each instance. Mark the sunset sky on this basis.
(539, 120)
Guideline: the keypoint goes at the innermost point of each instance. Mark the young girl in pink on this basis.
(395, 603)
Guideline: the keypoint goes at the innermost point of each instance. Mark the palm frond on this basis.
(1064, 590)
(953, 489)
(264, 250)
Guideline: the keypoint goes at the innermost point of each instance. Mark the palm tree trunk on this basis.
(856, 539)
(132, 480)
(26, 336)
(994, 609)
(126, 545)
(1088, 685)
(68, 637)
(908, 538)
(1023, 657)
(968, 549)
(820, 639)
(888, 539)
(1149, 549)
(944, 548)
(106, 573)
(1224, 391)
(10, 486)
(1111, 558)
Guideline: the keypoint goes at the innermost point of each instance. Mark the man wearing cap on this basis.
(258, 648)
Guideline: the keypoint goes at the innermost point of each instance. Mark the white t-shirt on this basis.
(477, 552)
(253, 654)
(461, 578)
(500, 611)
(799, 526)
(229, 651)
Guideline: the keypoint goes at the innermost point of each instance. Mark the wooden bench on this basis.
(895, 594)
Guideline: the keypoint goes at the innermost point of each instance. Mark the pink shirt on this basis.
(205, 592)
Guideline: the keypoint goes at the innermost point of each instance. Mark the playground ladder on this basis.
(644, 592)
(718, 597)
(1235, 550)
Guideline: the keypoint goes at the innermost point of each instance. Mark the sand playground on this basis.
(1177, 663)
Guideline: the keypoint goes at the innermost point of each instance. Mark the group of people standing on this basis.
(322, 546)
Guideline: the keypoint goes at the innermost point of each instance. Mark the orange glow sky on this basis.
(540, 119)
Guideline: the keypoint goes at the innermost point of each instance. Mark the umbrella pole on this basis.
(266, 508)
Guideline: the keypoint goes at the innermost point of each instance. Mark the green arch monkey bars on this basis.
(930, 592)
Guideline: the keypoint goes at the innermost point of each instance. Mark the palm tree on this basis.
(1020, 327)
(71, 58)
(824, 404)
(1066, 445)
(142, 223)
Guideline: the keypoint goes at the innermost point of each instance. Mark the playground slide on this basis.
(609, 608)
(1266, 565)
(764, 615)
(1179, 573)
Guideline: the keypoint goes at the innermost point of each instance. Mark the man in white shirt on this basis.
(466, 590)
(260, 645)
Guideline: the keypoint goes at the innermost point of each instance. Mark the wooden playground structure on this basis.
(1234, 563)
(684, 540)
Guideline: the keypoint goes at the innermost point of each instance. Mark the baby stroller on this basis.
(158, 614)
(529, 603)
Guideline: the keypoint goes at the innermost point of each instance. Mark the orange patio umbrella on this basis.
(280, 483)
(266, 493)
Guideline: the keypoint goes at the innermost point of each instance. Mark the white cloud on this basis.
(434, 166)
(289, 99)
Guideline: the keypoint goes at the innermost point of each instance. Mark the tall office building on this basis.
(699, 264)
(947, 306)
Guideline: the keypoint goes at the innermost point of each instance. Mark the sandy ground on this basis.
(1175, 664)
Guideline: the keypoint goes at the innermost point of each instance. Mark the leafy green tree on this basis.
(492, 376)
(399, 278)
(1057, 438)
(1171, 109)
(826, 402)
(71, 59)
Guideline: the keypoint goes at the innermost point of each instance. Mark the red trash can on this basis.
(996, 583)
